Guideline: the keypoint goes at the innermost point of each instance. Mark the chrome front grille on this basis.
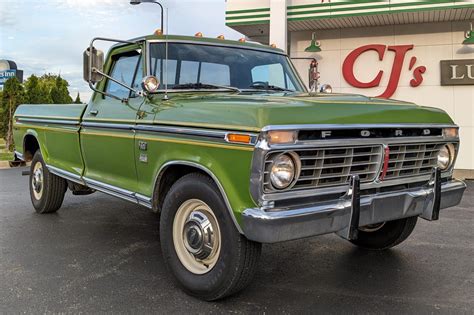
(326, 167)
(408, 160)
(330, 167)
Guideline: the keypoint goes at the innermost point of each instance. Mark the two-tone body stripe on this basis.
(198, 136)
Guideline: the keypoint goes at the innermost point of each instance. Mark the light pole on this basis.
(136, 2)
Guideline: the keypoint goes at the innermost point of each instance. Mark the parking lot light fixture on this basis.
(136, 2)
(315, 45)
(469, 37)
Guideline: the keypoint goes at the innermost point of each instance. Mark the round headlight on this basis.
(150, 84)
(446, 157)
(283, 171)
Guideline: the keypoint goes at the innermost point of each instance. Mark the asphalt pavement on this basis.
(101, 254)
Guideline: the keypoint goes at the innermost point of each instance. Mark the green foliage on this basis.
(12, 96)
(6, 156)
(47, 89)
(59, 92)
(37, 91)
(78, 99)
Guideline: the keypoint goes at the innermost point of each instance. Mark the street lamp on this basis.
(135, 2)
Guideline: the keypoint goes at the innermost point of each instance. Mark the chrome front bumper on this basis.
(344, 215)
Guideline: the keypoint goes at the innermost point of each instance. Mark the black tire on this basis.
(52, 191)
(238, 258)
(390, 234)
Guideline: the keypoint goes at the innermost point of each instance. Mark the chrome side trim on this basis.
(107, 125)
(49, 121)
(111, 190)
(103, 187)
(65, 174)
(144, 201)
(219, 135)
(208, 172)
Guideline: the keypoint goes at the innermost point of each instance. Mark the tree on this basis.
(59, 92)
(78, 99)
(13, 95)
(36, 92)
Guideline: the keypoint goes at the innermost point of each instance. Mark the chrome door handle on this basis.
(94, 112)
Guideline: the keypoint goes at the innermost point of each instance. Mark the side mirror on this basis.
(93, 62)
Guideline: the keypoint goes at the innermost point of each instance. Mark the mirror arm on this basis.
(91, 85)
(103, 93)
(115, 80)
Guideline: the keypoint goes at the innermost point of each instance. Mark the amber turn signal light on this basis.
(238, 138)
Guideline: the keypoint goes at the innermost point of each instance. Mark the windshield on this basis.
(197, 66)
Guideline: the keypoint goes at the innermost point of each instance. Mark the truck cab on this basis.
(225, 143)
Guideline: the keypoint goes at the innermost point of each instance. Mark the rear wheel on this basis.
(201, 246)
(46, 189)
(385, 235)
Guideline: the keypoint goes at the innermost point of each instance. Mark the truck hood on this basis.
(253, 112)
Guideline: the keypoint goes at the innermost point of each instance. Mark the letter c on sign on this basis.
(348, 66)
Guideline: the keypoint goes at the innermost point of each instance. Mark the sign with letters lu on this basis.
(457, 72)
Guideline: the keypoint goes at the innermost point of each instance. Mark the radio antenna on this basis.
(165, 97)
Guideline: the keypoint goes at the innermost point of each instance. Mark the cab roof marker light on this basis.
(220, 37)
(198, 34)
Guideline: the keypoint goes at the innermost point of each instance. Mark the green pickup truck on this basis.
(223, 140)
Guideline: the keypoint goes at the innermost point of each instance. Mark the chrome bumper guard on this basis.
(343, 216)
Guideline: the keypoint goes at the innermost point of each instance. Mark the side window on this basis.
(271, 74)
(123, 70)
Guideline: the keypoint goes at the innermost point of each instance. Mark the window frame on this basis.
(148, 44)
(114, 59)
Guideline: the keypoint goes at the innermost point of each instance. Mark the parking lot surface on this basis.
(101, 254)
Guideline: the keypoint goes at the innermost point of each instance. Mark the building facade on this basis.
(407, 50)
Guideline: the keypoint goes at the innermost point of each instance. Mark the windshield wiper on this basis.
(269, 88)
(204, 86)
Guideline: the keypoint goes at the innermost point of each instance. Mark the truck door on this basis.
(107, 137)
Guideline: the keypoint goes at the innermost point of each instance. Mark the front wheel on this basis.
(46, 189)
(201, 246)
(385, 235)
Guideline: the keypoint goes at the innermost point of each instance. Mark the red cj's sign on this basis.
(397, 67)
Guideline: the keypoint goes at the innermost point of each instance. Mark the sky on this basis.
(49, 36)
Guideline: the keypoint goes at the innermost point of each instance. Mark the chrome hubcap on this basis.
(37, 180)
(196, 236)
(199, 237)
